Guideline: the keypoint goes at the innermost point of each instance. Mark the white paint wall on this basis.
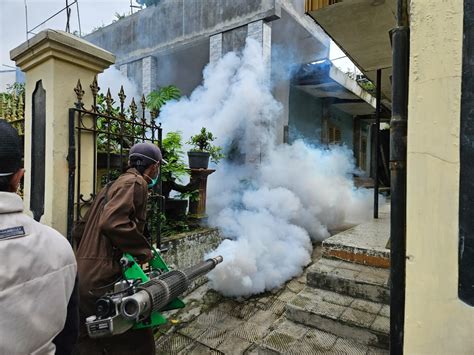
(436, 321)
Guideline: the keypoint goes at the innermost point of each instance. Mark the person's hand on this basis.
(142, 259)
(149, 255)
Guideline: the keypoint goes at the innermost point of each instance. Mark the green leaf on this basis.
(157, 98)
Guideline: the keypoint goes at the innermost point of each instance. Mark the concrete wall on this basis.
(436, 321)
(187, 249)
(178, 34)
(345, 123)
(305, 114)
(177, 22)
(183, 67)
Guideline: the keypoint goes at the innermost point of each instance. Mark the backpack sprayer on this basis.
(136, 301)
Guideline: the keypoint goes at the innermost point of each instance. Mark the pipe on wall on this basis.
(377, 142)
(398, 153)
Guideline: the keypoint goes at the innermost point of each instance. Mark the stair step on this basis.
(344, 316)
(364, 244)
(350, 279)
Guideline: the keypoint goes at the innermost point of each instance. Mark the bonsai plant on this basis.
(203, 150)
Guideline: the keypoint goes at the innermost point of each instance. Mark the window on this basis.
(334, 135)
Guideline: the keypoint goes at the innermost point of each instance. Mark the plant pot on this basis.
(175, 209)
(198, 160)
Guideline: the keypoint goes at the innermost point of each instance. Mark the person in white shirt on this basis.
(38, 297)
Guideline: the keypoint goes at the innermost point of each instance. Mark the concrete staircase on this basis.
(346, 296)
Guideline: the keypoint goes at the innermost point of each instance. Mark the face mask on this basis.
(153, 183)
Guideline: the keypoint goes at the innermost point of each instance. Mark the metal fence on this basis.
(114, 130)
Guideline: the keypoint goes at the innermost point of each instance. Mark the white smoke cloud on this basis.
(113, 79)
(269, 211)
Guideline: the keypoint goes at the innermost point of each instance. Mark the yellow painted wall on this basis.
(436, 321)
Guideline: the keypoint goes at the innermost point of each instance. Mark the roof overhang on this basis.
(322, 79)
(361, 28)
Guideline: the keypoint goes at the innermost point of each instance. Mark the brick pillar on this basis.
(262, 33)
(149, 74)
(234, 40)
(215, 48)
(124, 70)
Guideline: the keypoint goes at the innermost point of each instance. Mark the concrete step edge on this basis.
(347, 278)
(337, 326)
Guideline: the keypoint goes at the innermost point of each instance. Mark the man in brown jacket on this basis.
(113, 225)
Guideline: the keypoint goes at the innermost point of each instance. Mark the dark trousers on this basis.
(140, 342)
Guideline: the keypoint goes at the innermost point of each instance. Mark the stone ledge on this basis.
(188, 249)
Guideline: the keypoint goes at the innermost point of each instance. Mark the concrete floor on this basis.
(213, 324)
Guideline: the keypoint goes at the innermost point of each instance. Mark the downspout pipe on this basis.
(398, 167)
(377, 142)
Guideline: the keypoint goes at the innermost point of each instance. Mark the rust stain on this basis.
(363, 259)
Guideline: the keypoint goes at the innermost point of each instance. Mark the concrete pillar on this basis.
(149, 74)
(124, 70)
(234, 40)
(55, 61)
(437, 321)
(262, 33)
(215, 48)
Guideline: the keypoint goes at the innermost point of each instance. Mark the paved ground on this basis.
(213, 324)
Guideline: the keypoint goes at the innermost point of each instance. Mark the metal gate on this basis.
(111, 130)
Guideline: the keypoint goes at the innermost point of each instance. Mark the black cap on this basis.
(146, 153)
(10, 149)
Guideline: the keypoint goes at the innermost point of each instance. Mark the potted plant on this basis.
(203, 150)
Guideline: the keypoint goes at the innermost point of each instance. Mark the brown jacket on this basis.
(113, 225)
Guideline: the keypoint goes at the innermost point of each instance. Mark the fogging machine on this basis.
(136, 301)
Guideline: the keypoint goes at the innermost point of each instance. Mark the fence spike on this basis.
(95, 90)
(133, 109)
(143, 103)
(95, 86)
(79, 94)
(108, 101)
(122, 95)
